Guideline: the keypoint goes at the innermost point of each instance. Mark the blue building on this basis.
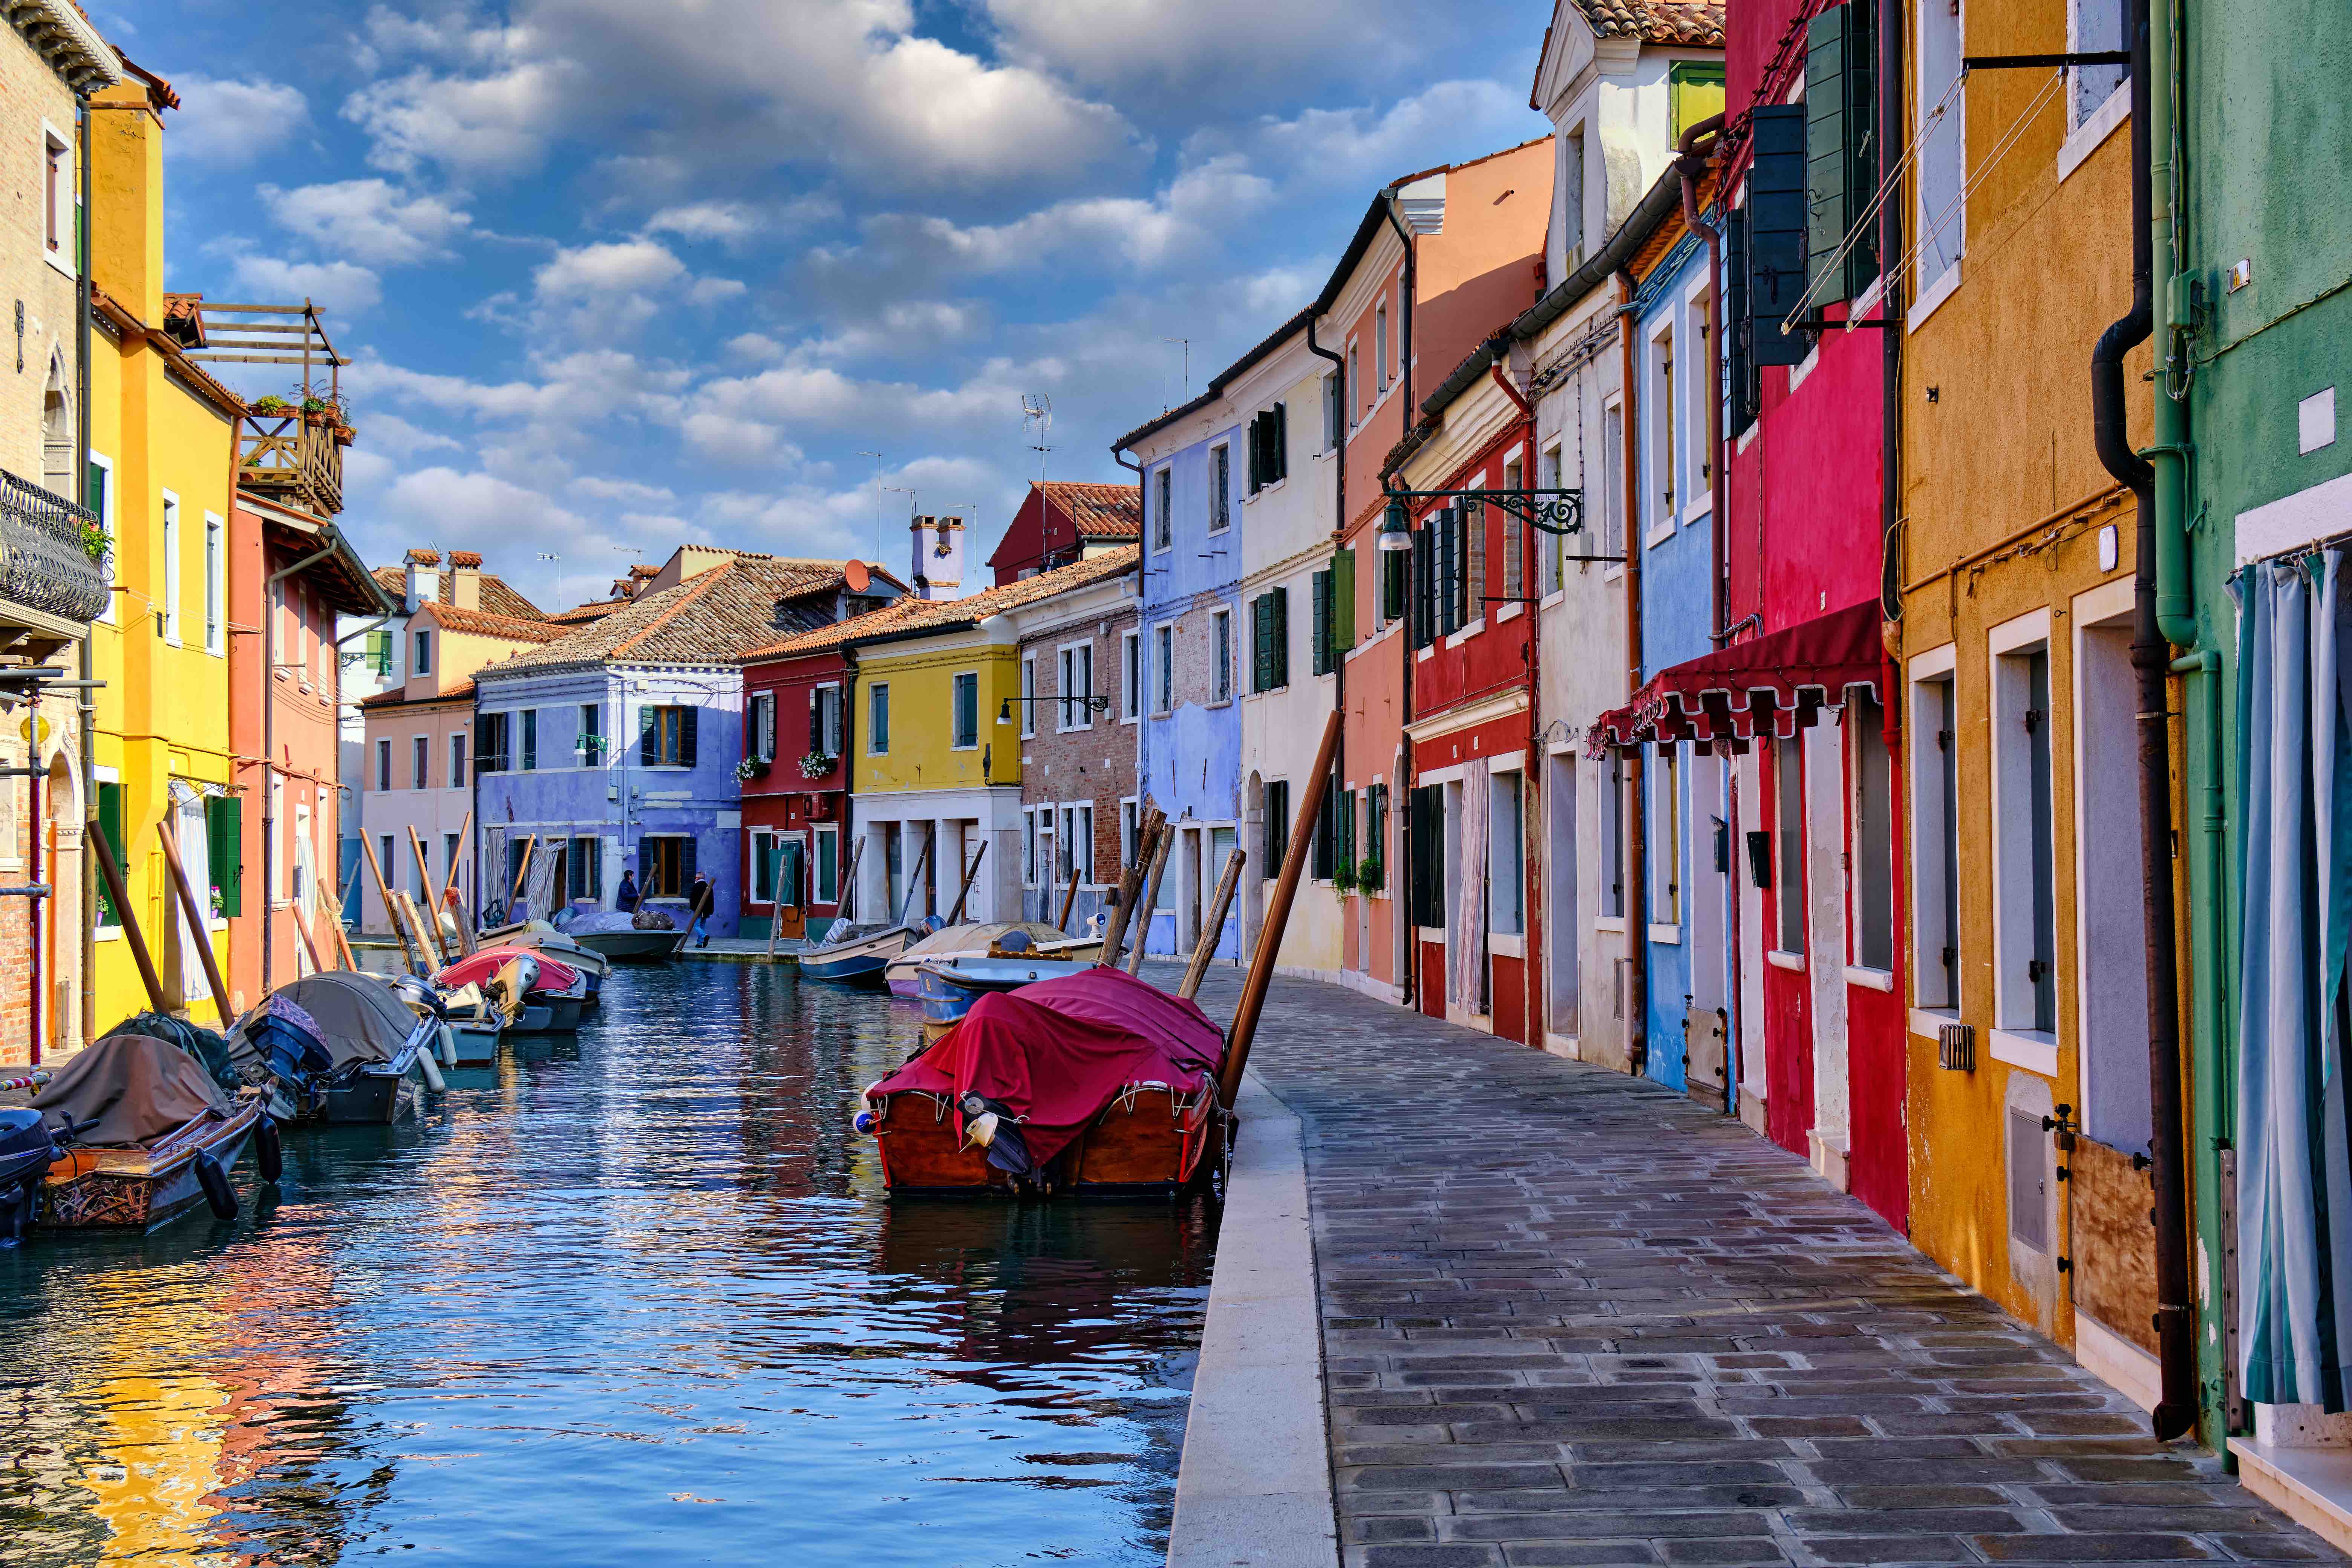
(1191, 655)
(621, 746)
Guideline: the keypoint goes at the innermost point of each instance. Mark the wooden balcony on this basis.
(293, 457)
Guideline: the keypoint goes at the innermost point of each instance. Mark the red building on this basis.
(1061, 522)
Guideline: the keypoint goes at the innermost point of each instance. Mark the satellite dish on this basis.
(854, 573)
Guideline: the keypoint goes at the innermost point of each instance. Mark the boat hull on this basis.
(376, 1096)
(546, 1013)
(110, 1189)
(859, 962)
(475, 1045)
(1149, 1142)
(632, 946)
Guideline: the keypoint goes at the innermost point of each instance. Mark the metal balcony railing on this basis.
(44, 564)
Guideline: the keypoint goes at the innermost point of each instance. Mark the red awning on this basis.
(1775, 683)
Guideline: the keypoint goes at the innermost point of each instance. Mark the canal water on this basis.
(635, 1296)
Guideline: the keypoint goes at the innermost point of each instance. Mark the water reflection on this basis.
(636, 1291)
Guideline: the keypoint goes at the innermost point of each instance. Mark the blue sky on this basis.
(620, 274)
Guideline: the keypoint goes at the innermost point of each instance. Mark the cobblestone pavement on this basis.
(1571, 1318)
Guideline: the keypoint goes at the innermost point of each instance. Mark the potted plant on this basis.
(1369, 874)
(1343, 876)
(817, 765)
(344, 435)
(272, 405)
(91, 537)
(751, 768)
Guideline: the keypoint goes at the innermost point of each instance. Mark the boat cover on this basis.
(137, 1086)
(200, 1043)
(478, 968)
(1057, 1053)
(356, 1015)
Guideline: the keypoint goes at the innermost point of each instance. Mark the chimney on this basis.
(466, 579)
(938, 545)
(424, 578)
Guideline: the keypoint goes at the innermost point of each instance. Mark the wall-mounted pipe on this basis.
(1637, 847)
(1409, 973)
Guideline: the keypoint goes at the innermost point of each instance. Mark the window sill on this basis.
(1659, 535)
(1456, 638)
(1556, 597)
(63, 269)
(1506, 944)
(1610, 923)
(1510, 613)
(1613, 571)
(1666, 933)
(1215, 706)
(1928, 1021)
(972, 747)
(1422, 655)
(1876, 979)
(2035, 1051)
(1266, 489)
(107, 934)
(1794, 962)
(1931, 296)
(2086, 138)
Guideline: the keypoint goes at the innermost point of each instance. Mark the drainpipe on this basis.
(86, 698)
(1530, 792)
(1338, 529)
(1637, 842)
(2176, 1411)
(375, 624)
(269, 751)
(1405, 297)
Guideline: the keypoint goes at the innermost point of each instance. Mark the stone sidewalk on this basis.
(1570, 1318)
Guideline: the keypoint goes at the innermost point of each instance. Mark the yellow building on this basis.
(2029, 1082)
(160, 456)
(933, 773)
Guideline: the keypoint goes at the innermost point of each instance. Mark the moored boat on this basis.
(947, 988)
(536, 994)
(339, 1046)
(856, 954)
(142, 1134)
(977, 941)
(561, 946)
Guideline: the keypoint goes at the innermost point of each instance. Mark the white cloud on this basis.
(368, 221)
(1445, 122)
(715, 290)
(335, 285)
(468, 125)
(594, 487)
(390, 434)
(231, 122)
(726, 221)
(1224, 46)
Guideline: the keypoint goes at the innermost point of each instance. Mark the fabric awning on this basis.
(1772, 684)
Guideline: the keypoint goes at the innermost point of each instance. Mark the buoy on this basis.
(865, 1121)
(214, 1181)
(432, 1070)
(269, 1153)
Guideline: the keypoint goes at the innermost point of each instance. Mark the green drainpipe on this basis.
(2175, 607)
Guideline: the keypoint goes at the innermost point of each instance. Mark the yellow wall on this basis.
(163, 711)
(921, 679)
(1993, 467)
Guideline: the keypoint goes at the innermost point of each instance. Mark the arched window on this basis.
(57, 432)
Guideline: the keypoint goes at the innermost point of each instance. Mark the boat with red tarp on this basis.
(1095, 1082)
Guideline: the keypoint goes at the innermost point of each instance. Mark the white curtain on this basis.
(540, 886)
(2294, 1148)
(196, 859)
(1465, 953)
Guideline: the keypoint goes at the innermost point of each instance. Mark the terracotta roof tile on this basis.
(710, 618)
(907, 615)
(1099, 511)
(498, 598)
(1657, 21)
(516, 627)
(396, 696)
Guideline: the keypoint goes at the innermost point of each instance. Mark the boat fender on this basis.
(448, 1047)
(269, 1150)
(865, 1121)
(980, 1130)
(214, 1181)
(432, 1071)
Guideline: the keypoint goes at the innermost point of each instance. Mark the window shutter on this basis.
(1424, 585)
(649, 745)
(1281, 597)
(1278, 438)
(1262, 643)
(686, 847)
(1743, 391)
(1449, 575)
(1391, 567)
(1343, 602)
(1256, 457)
(1320, 616)
(1277, 827)
(816, 723)
(482, 745)
(687, 723)
(224, 840)
(1839, 106)
(1776, 232)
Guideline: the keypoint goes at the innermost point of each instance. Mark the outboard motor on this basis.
(26, 1151)
(424, 998)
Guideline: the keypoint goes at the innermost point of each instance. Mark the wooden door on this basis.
(791, 889)
(1788, 986)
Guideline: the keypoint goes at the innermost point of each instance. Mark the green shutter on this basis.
(110, 824)
(1262, 643)
(224, 842)
(1279, 439)
(1319, 633)
(1838, 108)
(1693, 91)
(1391, 568)
(1281, 597)
(1343, 602)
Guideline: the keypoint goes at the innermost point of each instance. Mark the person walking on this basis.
(626, 899)
(700, 901)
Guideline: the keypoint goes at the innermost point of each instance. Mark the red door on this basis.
(1788, 984)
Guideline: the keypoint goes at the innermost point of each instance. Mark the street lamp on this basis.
(1396, 532)
(1091, 704)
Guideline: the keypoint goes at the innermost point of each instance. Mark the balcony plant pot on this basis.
(344, 435)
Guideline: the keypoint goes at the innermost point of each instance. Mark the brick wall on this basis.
(1096, 763)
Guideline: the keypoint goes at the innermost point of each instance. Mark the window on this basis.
(1515, 536)
(666, 864)
(2026, 986)
(391, 868)
(1372, 873)
(1319, 622)
(1355, 388)
(1130, 682)
(1470, 539)
(1220, 487)
(215, 585)
(170, 568)
(101, 501)
(877, 721)
(59, 198)
(1331, 419)
(1078, 847)
(1380, 343)
(763, 867)
(1269, 447)
(1166, 669)
(530, 739)
(1612, 479)
(1129, 823)
(1563, 976)
(1077, 685)
(592, 733)
(825, 720)
(1270, 639)
(1029, 696)
(1323, 849)
(1612, 837)
(1571, 199)
(451, 844)
(1789, 831)
(1552, 548)
(585, 869)
(1221, 630)
(420, 643)
(1664, 468)
(1874, 833)
(1029, 846)
(1277, 829)
(666, 735)
(420, 763)
(457, 760)
(967, 709)
(2094, 26)
(1506, 856)
(1693, 91)
(1939, 139)
(1163, 509)
(490, 732)
(762, 738)
(1666, 824)
(383, 765)
(828, 865)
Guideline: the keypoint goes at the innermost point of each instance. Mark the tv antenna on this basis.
(1038, 415)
